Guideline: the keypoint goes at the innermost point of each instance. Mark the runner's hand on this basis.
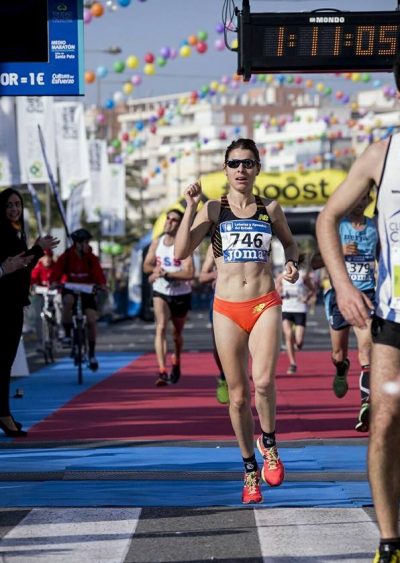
(291, 273)
(354, 305)
(350, 249)
(192, 194)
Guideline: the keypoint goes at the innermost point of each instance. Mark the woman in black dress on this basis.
(16, 263)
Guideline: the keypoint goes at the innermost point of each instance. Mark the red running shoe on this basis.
(251, 488)
(273, 471)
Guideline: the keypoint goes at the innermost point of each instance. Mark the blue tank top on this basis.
(361, 267)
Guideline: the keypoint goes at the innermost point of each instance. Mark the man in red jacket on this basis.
(78, 264)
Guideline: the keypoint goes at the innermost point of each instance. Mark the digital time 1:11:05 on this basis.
(317, 41)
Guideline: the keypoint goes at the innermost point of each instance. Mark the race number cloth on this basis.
(245, 240)
(361, 268)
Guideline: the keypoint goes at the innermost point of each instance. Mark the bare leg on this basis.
(289, 340)
(178, 323)
(384, 441)
(339, 341)
(162, 315)
(299, 336)
(264, 345)
(232, 347)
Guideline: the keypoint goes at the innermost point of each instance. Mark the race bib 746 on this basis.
(245, 240)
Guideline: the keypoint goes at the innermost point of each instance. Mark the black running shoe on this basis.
(175, 373)
(386, 553)
(340, 385)
(163, 380)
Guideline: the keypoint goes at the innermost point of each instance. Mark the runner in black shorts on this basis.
(171, 296)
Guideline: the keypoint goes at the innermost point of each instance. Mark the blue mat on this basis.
(50, 388)
(184, 493)
(308, 458)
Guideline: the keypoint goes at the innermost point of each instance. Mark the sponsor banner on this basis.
(34, 111)
(72, 147)
(289, 188)
(49, 63)
(75, 208)
(9, 166)
(99, 178)
(53, 184)
(113, 203)
(36, 208)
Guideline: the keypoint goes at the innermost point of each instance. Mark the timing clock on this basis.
(320, 41)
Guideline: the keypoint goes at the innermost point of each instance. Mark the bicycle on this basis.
(80, 344)
(49, 325)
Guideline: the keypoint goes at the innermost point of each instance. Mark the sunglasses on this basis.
(248, 163)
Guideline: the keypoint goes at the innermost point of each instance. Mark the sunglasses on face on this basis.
(248, 163)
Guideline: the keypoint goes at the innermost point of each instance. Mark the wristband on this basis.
(295, 263)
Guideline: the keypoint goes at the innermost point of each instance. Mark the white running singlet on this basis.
(388, 205)
(165, 259)
(293, 295)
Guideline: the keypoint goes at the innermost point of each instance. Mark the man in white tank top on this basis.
(379, 165)
(171, 295)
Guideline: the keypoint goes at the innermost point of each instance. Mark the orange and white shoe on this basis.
(251, 488)
(273, 471)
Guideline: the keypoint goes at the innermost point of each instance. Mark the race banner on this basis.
(75, 208)
(99, 178)
(9, 166)
(113, 203)
(72, 146)
(53, 184)
(36, 208)
(34, 111)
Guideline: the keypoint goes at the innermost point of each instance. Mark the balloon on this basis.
(124, 3)
(161, 61)
(125, 136)
(101, 72)
(153, 129)
(202, 35)
(119, 66)
(127, 88)
(109, 104)
(234, 44)
(116, 249)
(149, 58)
(149, 69)
(118, 159)
(100, 118)
(139, 125)
(87, 16)
(192, 40)
(185, 51)
(136, 79)
(201, 47)
(116, 143)
(160, 112)
(173, 53)
(97, 10)
(90, 77)
(118, 97)
(219, 44)
(165, 52)
(219, 28)
(132, 61)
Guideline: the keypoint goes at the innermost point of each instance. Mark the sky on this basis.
(148, 25)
